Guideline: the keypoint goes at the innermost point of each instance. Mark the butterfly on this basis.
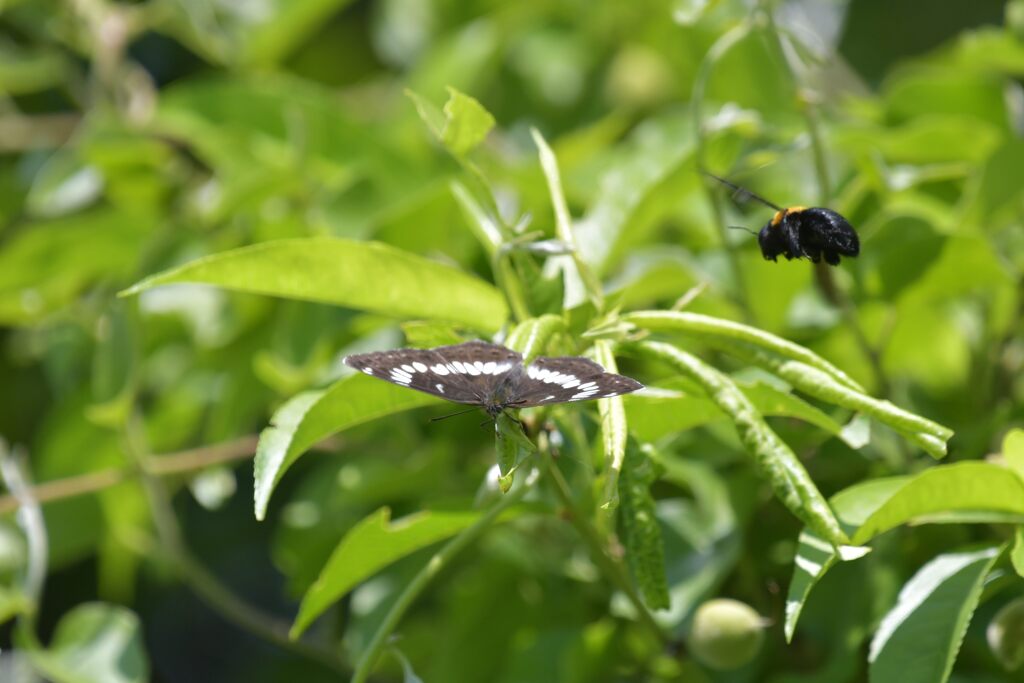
(492, 376)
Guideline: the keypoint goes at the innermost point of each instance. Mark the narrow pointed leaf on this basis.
(614, 431)
(710, 327)
(967, 492)
(774, 459)
(641, 532)
(918, 640)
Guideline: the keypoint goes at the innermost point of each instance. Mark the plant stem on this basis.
(613, 569)
(432, 568)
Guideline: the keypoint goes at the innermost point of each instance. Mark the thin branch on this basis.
(162, 465)
(168, 464)
(20, 133)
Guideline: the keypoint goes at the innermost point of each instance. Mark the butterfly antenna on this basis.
(740, 227)
(445, 417)
(742, 192)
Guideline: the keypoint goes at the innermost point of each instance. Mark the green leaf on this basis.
(429, 113)
(368, 547)
(44, 266)
(364, 275)
(965, 486)
(95, 643)
(12, 603)
(278, 27)
(1017, 554)
(31, 70)
(579, 278)
(815, 556)
(64, 185)
(311, 416)
(531, 336)
(466, 124)
(1013, 450)
(968, 492)
(461, 126)
(425, 334)
(641, 533)
(635, 189)
(918, 640)
(484, 226)
(774, 459)
(614, 432)
(114, 366)
(930, 436)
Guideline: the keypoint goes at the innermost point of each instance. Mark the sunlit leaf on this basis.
(920, 637)
(364, 275)
(311, 416)
(1017, 553)
(1013, 450)
(967, 492)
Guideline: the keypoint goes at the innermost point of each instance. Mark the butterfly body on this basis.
(492, 376)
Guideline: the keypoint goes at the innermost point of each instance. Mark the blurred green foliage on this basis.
(417, 172)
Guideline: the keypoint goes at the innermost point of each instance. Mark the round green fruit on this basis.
(726, 634)
(1005, 635)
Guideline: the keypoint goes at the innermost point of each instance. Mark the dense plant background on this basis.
(350, 176)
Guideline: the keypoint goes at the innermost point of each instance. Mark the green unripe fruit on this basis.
(726, 634)
(1005, 635)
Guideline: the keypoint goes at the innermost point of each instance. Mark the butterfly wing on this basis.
(462, 373)
(569, 378)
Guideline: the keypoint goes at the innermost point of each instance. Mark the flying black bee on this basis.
(802, 231)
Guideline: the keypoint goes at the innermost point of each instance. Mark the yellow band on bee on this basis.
(781, 215)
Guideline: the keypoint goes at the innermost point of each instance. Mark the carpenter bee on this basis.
(802, 231)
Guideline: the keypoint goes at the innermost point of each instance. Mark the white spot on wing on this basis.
(583, 394)
(571, 383)
(368, 371)
(420, 367)
(440, 369)
(472, 368)
(440, 387)
(408, 368)
(489, 367)
(459, 367)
